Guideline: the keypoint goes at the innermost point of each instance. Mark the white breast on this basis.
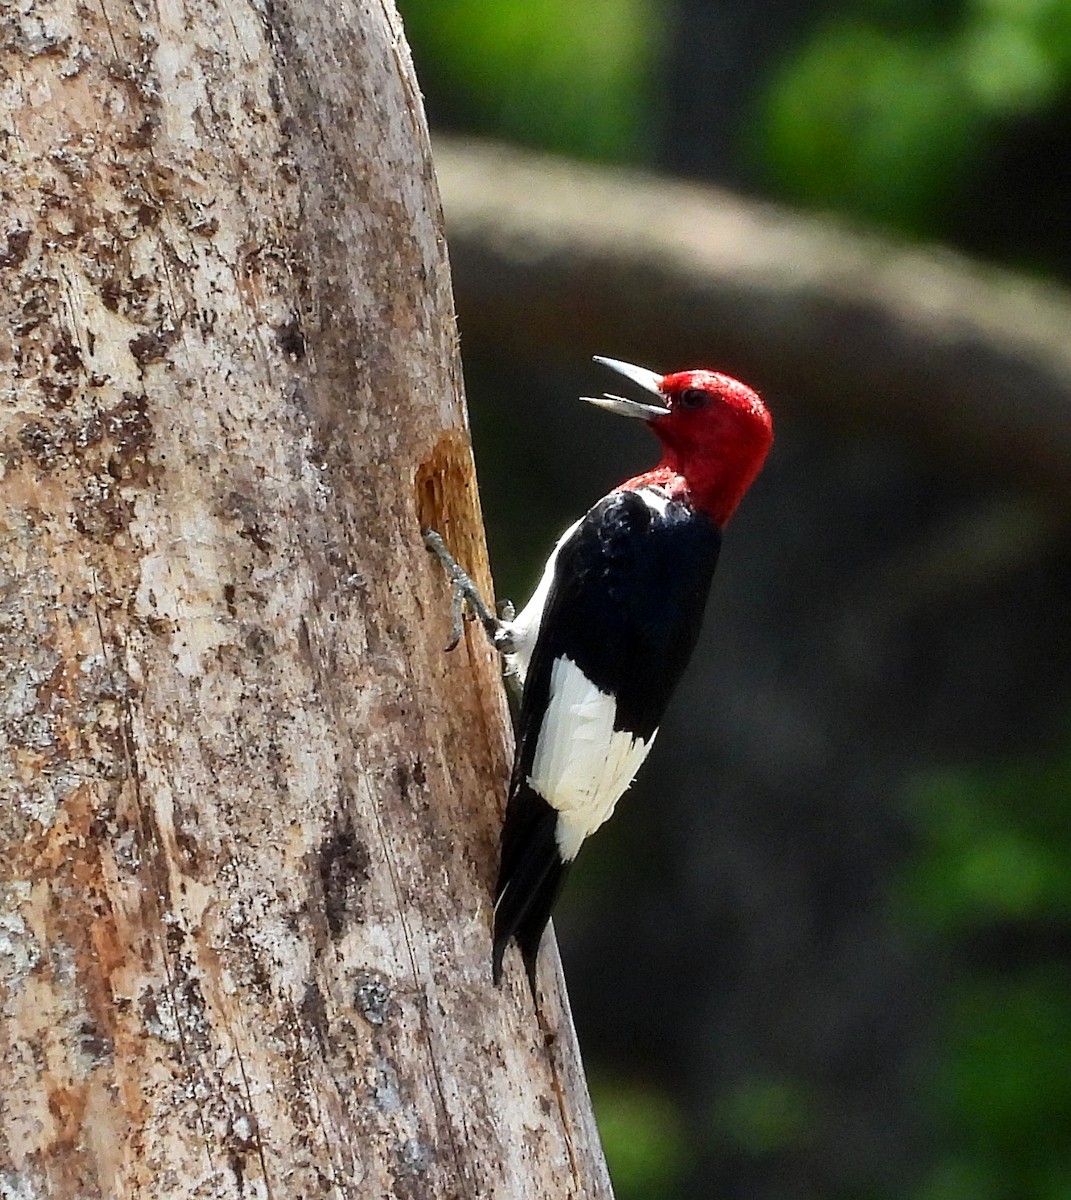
(524, 628)
(582, 765)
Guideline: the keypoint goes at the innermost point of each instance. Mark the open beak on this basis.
(648, 380)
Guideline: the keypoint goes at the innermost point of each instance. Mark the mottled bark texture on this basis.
(249, 807)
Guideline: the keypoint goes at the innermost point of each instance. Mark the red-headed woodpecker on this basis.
(603, 641)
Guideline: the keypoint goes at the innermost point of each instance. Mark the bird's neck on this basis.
(715, 487)
(666, 479)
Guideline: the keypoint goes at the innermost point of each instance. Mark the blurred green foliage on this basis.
(883, 111)
(576, 78)
(643, 1136)
(845, 118)
(886, 107)
(762, 1115)
(996, 846)
(990, 885)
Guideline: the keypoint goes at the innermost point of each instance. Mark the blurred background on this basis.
(824, 948)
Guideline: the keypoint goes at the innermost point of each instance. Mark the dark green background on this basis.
(948, 122)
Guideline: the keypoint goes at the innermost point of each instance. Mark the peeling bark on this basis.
(249, 807)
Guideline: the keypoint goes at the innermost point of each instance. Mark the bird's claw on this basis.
(466, 594)
(503, 639)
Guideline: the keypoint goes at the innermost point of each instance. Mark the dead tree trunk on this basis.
(249, 807)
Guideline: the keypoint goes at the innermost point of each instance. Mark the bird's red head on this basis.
(715, 433)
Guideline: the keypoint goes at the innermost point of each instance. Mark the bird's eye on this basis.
(692, 398)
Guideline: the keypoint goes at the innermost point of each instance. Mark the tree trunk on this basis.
(250, 808)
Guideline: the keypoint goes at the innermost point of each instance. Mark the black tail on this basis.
(529, 879)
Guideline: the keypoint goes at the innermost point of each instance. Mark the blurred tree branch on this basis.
(973, 362)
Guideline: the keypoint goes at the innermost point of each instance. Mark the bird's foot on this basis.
(467, 594)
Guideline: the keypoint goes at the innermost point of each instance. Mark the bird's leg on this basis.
(467, 593)
(505, 645)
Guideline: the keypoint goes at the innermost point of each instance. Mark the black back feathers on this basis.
(625, 606)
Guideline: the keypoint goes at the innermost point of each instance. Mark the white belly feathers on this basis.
(582, 765)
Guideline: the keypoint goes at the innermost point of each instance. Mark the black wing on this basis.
(626, 605)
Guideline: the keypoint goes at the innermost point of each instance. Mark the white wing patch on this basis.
(582, 765)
